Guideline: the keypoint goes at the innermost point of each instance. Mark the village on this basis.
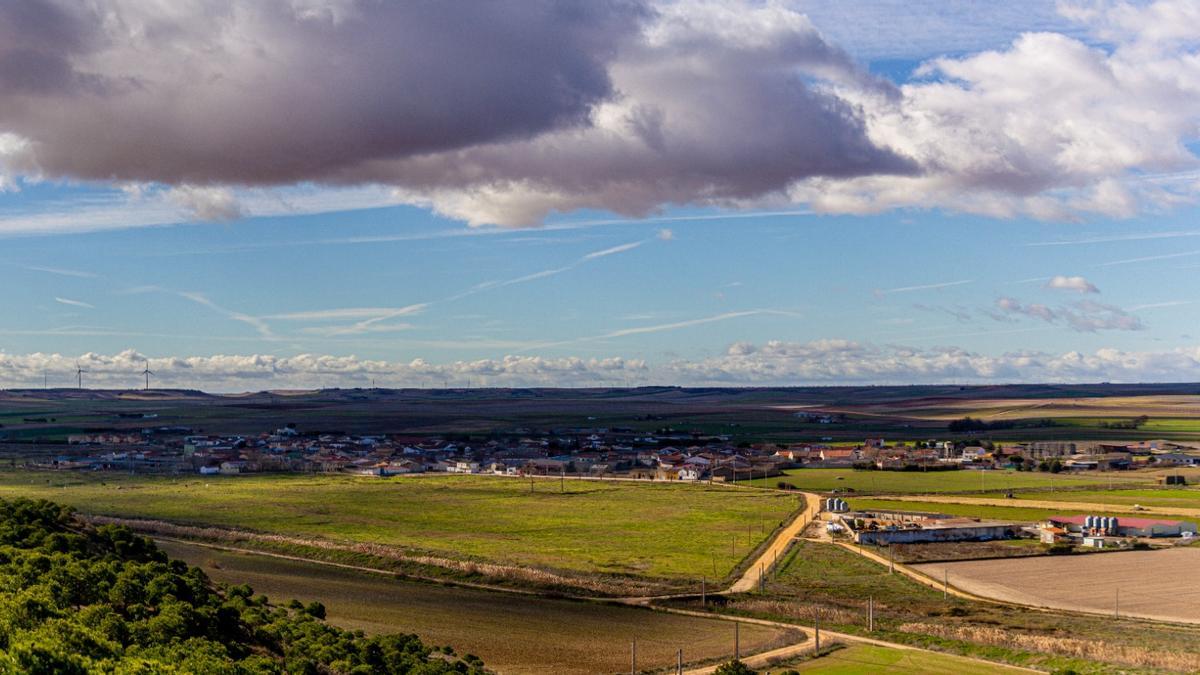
(585, 451)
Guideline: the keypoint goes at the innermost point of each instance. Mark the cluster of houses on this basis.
(667, 455)
(663, 455)
(936, 454)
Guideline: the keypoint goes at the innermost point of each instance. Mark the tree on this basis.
(735, 667)
(315, 609)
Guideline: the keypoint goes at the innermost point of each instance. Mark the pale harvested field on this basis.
(1022, 408)
(1163, 585)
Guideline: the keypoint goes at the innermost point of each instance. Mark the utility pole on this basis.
(762, 579)
(633, 658)
(945, 583)
(562, 481)
(737, 640)
(817, 631)
(679, 662)
(871, 614)
(1117, 605)
(704, 591)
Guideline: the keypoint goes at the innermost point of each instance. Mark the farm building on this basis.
(1121, 526)
(906, 527)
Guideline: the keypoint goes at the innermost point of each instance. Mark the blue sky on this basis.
(233, 286)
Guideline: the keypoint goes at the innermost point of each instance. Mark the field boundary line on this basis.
(371, 570)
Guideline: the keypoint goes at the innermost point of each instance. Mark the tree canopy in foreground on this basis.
(78, 599)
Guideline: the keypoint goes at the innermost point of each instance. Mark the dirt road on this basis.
(770, 555)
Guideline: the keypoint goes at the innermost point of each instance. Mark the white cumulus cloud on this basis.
(1077, 284)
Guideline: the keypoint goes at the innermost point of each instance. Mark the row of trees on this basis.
(968, 424)
(76, 599)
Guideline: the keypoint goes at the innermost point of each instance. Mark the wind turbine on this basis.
(147, 372)
(79, 371)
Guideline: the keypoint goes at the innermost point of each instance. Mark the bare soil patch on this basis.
(1162, 585)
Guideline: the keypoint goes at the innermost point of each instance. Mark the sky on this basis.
(249, 195)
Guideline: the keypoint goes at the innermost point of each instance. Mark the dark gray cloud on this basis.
(494, 112)
(234, 91)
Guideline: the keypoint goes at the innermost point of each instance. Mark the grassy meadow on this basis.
(1188, 498)
(1015, 513)
(517, 635)
(921, 482)
(651, 530)
(861, 658)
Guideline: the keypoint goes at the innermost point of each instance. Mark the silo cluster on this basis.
(1100, 524)
(835, 505)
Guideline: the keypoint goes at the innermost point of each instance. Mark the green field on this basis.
(512, 635)
(649, 530)
(920, 482)
(1014, 513)
(1162, 497)
(857, 659)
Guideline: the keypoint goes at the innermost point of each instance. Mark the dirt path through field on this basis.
(1066, 507)
(770, 555)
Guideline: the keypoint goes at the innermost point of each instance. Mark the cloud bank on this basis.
(821, 362)
(512, 111)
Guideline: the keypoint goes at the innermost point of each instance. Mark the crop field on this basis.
(992, 409)
(1015, 513)
(918, 482)
(512, 635)
(1163, 585)
(766, 414)
(651, 530)
(860, 658)
(1184, 498)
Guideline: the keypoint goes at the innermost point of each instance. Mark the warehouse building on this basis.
(909, 527)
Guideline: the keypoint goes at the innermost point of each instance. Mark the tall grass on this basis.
(1092, 650)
